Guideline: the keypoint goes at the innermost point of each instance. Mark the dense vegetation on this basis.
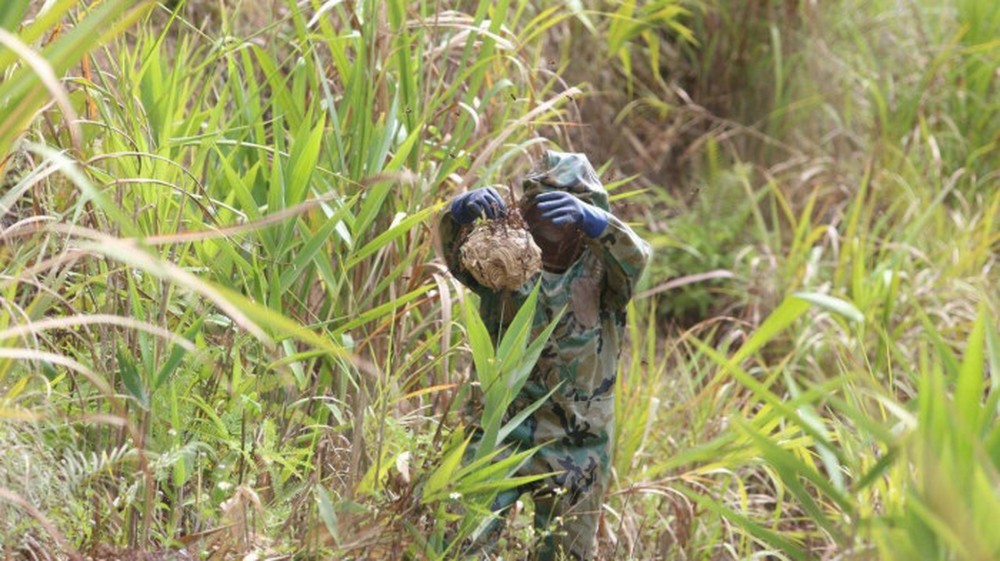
(224, 325)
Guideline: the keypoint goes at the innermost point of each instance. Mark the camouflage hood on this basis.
(570, 172)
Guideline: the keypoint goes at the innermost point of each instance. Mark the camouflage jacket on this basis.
(582, 354)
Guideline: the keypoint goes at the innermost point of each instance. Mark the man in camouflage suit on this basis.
(592, 261)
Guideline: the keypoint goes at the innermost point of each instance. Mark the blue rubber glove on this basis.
(467, 207)
(559, 207)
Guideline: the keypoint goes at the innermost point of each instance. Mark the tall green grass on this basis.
(848, 434)
(223, 325)
(228, 291)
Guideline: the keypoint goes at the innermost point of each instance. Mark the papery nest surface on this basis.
(501, 254)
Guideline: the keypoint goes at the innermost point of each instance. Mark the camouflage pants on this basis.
(576, 447)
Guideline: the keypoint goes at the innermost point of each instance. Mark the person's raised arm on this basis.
(623, 252)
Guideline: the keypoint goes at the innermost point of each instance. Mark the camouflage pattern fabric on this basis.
(581, 358)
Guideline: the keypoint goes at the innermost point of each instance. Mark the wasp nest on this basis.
(501, 254)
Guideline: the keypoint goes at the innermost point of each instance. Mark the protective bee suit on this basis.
(592, 261)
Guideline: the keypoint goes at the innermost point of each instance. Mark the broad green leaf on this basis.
(132, 379)
(316, 243)
(514, 338)
(442, 475)
(327, 513)
(11, 12)
(383, 239)
(523, 415)
(833, 304)
(970, 385)
(518, 374)
(373, 202)
(42, 25)
(764, 394)
(177, 353)
(276, 196)
(404, 149)
(304, 156)
(24, 92)
(481, 345)
(491, 465)
(766, 535)
(791, 469)
(379, 312)
(242, 186)
(779, 320)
